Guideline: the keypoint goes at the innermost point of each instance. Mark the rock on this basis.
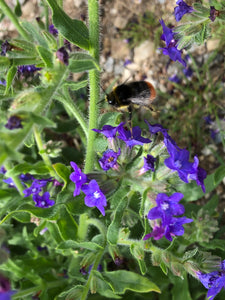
(120, 22)
(143, 52)
(108, 66)
(212, 45)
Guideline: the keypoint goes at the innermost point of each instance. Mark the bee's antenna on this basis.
(102, 88)
(103, 100)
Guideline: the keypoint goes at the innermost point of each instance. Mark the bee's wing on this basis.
(143, 99)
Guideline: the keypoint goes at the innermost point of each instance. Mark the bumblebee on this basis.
(132, 94)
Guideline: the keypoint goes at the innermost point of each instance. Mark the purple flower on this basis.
(132, 139)
(127, 62)
(27, 70)
(109, 159)
(198, 174)
(78, 178)
(3, 82)
(181, 10)
(208, 119)
(178, 161)
(63, 55)
(109, 131)
(175, 227)
(94, 196)
(26, 177)
(5, 292)
(43, 201)
(5, 48)
(99, 268)
(213, 13)
(188, 72)
(167, 207)
(53, 30)
(171, 44)
(10, 182)
(13, 122)
(213, 281)
(149, 162)
(36, 187)
(157, 233)
(155, 128)
(175, 79)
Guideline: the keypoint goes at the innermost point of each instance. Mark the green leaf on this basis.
(43, 121)
(122, 280)
(74, 31)
(113, 230)
(67, 225)
(46, 56)
(219, 175)
(63, 172)
(17, 9)
(50, 213)
(69, 244)
(103, 287)
(74, 86)
(23, 168)
(180, 289)
(9, 78)
(81, 62)
(214, 244)
(4, 62)
(52, 43)
(35, 33)
(138, 252)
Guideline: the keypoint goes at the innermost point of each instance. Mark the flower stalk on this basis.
(93, 15)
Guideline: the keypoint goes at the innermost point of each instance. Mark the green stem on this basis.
(83, 227)
(15, 179)
(94, 268)
(93, 14)
(10, 14)
(41, 149)
(68, 102)
(103, 231)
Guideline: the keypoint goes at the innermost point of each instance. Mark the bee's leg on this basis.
(130, 118)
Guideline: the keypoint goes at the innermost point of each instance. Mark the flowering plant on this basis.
(110, 214)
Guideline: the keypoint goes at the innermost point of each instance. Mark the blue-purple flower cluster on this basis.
(166, 224)
(41, 198)
(5, 289)
(171, 49)
(122, 148)
(179, 159)
(94, 196)
(213, 281)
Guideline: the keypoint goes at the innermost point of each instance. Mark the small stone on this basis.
(120, 22)
(143, 52)
(108, 66)
(212, 45)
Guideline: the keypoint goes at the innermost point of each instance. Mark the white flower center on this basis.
(178, 164)
(165, 206)
(96, 194)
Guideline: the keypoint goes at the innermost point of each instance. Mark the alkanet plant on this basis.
(108, 209)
